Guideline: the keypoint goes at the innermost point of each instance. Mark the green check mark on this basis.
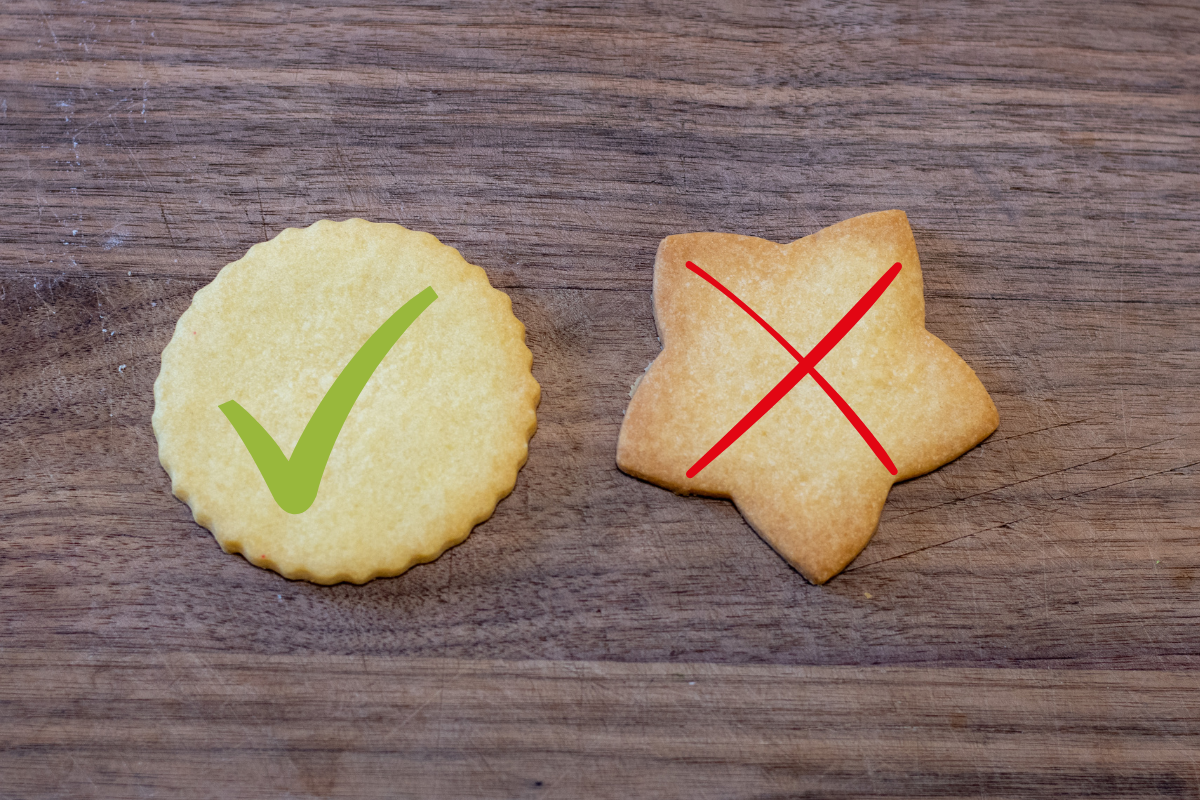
(294, 482)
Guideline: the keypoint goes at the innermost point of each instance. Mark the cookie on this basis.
(799, 381)
(382, 364)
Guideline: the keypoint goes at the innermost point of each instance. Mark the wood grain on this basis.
(1025, 621)
(270, 726)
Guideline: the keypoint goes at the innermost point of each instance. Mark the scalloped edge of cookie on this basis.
(504, 485)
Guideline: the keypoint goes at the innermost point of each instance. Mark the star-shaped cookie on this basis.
(799, 381)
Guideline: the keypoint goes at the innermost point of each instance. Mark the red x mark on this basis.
(807, 366)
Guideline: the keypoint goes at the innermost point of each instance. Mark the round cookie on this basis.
(430, 444)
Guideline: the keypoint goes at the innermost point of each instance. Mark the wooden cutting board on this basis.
(1025, 621)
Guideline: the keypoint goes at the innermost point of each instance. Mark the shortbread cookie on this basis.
(436, 407)
(886, 402)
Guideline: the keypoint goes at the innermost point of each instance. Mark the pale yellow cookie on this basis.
(432, 443)
(802, 476)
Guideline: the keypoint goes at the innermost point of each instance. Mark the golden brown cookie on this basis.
(804, 477)
(433, 441)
